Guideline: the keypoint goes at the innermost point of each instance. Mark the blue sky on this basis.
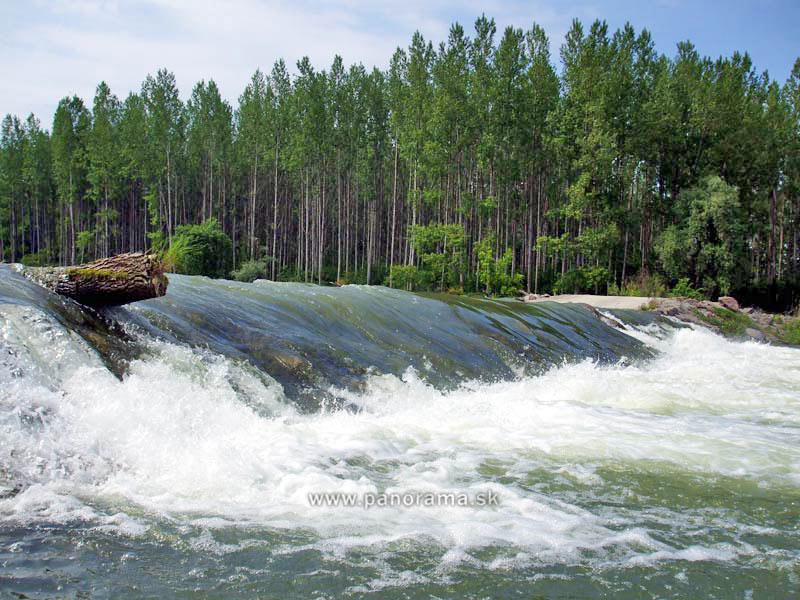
(61, 47)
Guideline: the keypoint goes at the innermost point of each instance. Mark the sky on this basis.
(51, 49)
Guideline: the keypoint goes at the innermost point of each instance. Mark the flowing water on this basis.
(174, 448)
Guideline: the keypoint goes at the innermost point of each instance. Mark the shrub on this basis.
(707, 246)
(200, 250)
(583, 279)
(250, 271)
(790, 332)
(570, 282)
(405, 277)
(728, 322)
(683, 289)
(495, 276)
(37, 259)
(83, 243)
(650, 286)
(441, 250)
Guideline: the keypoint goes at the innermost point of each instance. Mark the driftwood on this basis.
(109, 281)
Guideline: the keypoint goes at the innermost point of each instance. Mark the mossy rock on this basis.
(789, 331)
(728, 322)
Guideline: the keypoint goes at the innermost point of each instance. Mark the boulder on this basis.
(763, 319)
(670, 307)
(755, 334)
(533, 297)
(729, 302)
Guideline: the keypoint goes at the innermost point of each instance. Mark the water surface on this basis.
(168, 449)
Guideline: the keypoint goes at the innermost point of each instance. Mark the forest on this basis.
(480, 164)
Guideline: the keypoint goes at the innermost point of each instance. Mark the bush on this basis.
(441, 251)
(791, 332)
(570, 282)
(651, 286)
(728, 322)
(683, 289)
(583, 279)
(250, 271)
(495, 276)
(158, 243)
(37, 259)
(405, 277)
(200, 250)
(707, 246)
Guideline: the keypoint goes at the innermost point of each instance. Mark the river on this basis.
(179, 447)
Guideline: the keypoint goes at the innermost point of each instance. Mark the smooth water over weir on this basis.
(171, 448)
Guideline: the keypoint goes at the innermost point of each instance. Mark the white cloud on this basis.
(69, 46)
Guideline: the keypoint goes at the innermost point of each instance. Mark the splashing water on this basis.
(618, 470)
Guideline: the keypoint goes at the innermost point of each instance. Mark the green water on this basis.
(168, 450)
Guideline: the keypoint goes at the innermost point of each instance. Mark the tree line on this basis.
(474, 165)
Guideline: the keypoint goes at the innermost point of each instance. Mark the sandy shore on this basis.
(629, 302)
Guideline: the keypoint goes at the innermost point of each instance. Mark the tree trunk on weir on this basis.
(109, 281)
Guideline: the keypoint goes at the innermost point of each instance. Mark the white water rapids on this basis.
(192, 437)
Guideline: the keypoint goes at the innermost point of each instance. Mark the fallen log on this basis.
(109, 281)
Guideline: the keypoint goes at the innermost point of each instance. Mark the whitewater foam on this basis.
(197, 438)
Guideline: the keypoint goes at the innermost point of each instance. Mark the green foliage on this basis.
(158, 243)
(572, 281)
(96, 274)
(250, 270)
(618, 164)
(405, 277)
(596, 242)
(495, 276)
(683, 289)
(790, 331)
(650, 286)
(83, 242)
(729, 322)
(583, 279)
(200, 250)
(440, 249)
(706, 246)
(38, 259)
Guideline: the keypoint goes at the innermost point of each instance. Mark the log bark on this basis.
(109, 281)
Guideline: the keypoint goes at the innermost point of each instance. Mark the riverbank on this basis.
(612, 302)
(725, 316)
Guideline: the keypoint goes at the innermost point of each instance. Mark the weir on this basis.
(194, 428)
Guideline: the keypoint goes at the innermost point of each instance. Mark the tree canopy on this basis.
(472, 164)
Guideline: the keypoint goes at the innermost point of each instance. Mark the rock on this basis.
(729, 302)
(762, 319)
(533, 297)
(749, 310)
(670, 307)
(755, 334)
(608, 320)
(707, 305)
